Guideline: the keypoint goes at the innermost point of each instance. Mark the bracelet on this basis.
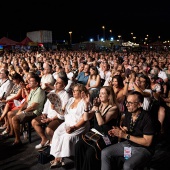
(23, 112)
(86, 110)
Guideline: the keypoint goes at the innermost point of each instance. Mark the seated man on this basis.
(83, 76)
(32, 107)
(50, 117)
(137, 133)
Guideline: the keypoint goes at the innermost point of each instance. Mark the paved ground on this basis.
(25, 157)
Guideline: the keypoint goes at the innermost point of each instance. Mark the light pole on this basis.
(70, 37)
(132, 35)
(110, 33)
(103, 27)
(119, 36)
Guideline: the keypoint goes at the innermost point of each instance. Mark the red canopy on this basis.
(7, 41)
(26, 41)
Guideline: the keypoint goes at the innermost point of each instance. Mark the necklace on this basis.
(133, 123)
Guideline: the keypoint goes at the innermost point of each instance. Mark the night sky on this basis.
(85, 19)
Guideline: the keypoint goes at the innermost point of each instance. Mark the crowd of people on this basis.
(125, 96)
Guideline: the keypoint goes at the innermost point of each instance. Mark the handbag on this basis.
(94, 140)
(44, 155)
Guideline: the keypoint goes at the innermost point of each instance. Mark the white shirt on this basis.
(162, 75)
(5, 87)
(47, 79)
(147, 100)
(64, 96)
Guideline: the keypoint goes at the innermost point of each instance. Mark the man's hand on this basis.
(116, 131)
(46, 120)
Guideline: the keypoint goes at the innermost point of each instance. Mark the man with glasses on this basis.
(137, 137)
(50, 118)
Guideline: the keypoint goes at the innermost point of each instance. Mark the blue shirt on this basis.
(82, 79)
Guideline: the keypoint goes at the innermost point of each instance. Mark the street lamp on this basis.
(103, 27)
(119, 36)
(110, 33)
(159, 37)
(134, 39)
(70, 37)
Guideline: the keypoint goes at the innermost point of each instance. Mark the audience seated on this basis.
(134, 69)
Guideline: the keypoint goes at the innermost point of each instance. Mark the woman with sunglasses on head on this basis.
(68, 133)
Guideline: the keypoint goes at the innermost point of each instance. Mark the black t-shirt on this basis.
(143, 126)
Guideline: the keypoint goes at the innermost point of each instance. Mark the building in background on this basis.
(41, 37)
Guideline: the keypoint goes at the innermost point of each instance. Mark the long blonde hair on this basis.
(112, 96)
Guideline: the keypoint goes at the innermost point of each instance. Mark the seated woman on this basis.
(13, 98)
(11, 113)
(68, 133)
(106, 114)
(93, 83)
(118, 88)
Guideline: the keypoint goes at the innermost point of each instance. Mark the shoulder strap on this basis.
(106, 110)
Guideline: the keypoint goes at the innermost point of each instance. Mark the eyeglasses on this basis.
(130, 103)
(75, 91)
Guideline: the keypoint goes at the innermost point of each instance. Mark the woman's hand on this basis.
(71, 129)
(85, 97)
(96, 102)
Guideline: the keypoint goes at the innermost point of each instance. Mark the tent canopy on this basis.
(7, 41)
(26, 41)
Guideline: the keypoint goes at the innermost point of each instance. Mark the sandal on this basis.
(3, 127)
(4, 132)
(55, 164)
(51, 162)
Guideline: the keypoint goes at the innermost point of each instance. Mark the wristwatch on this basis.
(23, 112)
(128, 137)
(97, 111)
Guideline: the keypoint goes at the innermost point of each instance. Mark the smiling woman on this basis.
(104, 114)
(68, 133)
